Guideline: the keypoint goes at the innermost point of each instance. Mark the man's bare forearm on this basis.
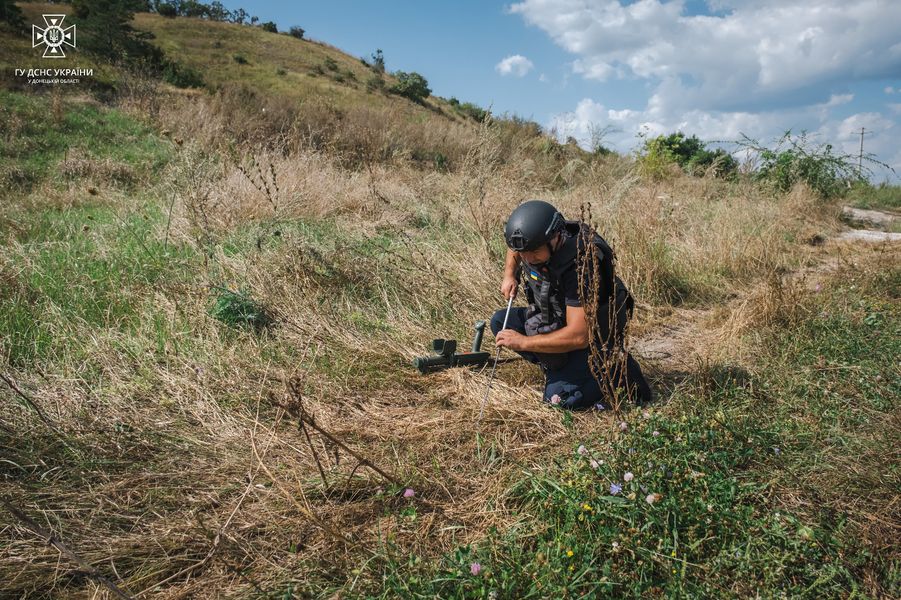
(565, 339)
(511, 262)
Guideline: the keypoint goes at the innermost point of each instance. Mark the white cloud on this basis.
(838, 100)
(755, 67)
(749, 57)
(889, 89)
(516, 64)
(895, 107)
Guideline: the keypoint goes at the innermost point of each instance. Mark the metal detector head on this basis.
(446, 355)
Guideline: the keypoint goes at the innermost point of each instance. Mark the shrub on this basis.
(167, 10)
(181, 75)
(411, 85)
(795, 159)
(473, 111)
(330, 63)
(239, 58)
(281, 72)
(690, 153)
(269, 26)
(297, 32)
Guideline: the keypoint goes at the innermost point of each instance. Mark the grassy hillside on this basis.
(206, 340)
(263, 88)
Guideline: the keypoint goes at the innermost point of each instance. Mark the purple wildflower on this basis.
(615, 488)
(656, 433)
(582, 450)
(594, 464)
(623, 426)
(409, 493)
(475, 568)
(555, 399)
(628, 476)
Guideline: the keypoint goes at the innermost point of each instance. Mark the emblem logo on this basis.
(54, 37)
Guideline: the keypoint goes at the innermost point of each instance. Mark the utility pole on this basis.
(860, 156)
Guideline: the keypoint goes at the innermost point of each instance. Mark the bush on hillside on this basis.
(181, 76)
(689, 153)
(11, 14)
(239, 58)
(795, 159)
(269, 26)
(296, 31)
(473, 111)
(411, 85)
(167, 10)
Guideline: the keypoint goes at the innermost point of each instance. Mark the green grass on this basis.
(35, 136)
(875, 196)
(767, 482)
(88, 266)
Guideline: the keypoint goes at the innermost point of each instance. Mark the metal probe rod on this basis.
(496, 356)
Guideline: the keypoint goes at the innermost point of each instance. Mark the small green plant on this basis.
(237, 309)
(269, 26)
(239, 58)
(281, 72)
(411, 85)
(330, 63)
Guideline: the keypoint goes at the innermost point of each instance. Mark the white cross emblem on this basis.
(53, 36)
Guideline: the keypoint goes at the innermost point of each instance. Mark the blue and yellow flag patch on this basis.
(534, 275)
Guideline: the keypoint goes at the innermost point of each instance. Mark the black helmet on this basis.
(532, 224)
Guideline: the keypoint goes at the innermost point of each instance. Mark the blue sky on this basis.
(715, 68)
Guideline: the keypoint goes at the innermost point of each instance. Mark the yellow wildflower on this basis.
(569, 553)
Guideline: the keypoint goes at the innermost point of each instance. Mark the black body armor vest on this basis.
(544, 283)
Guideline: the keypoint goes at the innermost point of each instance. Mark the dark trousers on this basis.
(574, 385)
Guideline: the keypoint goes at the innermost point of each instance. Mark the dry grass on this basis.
(176, 468)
